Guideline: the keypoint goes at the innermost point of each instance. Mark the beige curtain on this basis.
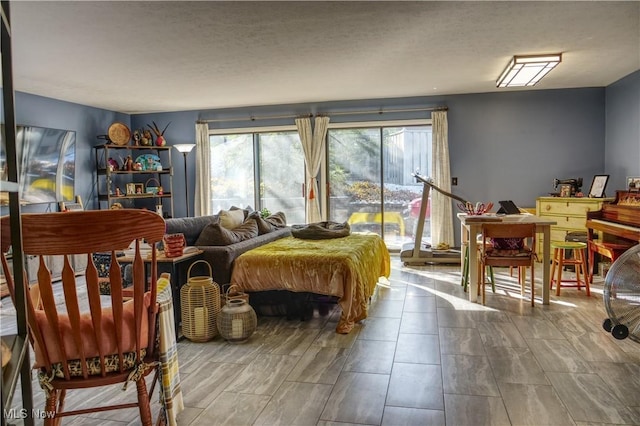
(313, 145)
(202, 201)
(441, 212)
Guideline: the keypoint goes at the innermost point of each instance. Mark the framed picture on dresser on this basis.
(633, 183)
(598, 185)
(565, 190)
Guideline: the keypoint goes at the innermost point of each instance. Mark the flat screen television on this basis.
(46, 163)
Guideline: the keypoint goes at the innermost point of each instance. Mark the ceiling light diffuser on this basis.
(527, 70)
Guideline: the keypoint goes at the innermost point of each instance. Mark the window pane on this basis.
(282, 175)
(406, 149)
(365, 162)
(354, 178)
(232, 178)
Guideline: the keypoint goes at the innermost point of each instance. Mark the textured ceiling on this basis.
(144, 56)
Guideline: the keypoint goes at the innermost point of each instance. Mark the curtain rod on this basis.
(275, 117)
(254, 118)
(384, 111)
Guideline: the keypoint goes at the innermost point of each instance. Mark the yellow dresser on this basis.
(570, 213)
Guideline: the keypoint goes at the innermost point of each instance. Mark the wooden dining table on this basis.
(471, 226)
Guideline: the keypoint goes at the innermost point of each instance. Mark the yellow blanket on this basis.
(347, 267)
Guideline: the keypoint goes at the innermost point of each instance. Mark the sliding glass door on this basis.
(355, 180)
(369, 176)
(232, 171)
(281, 174)
(261, 170)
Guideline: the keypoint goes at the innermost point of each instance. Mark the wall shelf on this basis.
(109, 179)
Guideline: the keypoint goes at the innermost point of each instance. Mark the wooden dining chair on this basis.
(90, 341)
(520, 255)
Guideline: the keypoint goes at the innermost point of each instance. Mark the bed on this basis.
(348, 268)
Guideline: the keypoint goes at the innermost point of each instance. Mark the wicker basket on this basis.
(151, 189)
(233, 292)
(200, 303)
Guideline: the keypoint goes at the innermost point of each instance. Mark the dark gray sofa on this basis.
(219, 257)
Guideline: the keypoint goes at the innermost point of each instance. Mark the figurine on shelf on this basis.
(136, 137)
(160, 140)
(146, 139)
(112, 164)
(118, 192)
(128, 164)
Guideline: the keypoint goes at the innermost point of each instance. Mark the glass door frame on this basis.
(324, 167)
(255, 131)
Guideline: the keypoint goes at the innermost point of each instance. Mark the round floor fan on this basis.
(622, 296)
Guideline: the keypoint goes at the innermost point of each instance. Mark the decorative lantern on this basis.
(200, 303)
(237, 321)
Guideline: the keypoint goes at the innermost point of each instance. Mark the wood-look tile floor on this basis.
(425, 356)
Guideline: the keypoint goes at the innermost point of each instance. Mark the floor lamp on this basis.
(185, 148)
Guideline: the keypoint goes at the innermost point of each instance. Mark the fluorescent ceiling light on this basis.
(527, 70)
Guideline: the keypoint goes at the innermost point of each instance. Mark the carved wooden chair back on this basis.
(520, 255)
(83, 341)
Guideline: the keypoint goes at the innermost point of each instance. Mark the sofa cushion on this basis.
(191, 227)
(270, 223)
(247, 210)
(221, 258)
(231, 218)
(215, 234)
(279, 220)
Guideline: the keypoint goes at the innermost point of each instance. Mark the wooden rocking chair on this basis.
(108, 340)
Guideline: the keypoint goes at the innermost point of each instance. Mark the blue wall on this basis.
(512, 145)
(622, 152)
(507, 145)
(503, 145)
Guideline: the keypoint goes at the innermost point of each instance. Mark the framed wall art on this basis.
(46, 163)
(598, 185)
(131, 189)
(565, 190)
(633, 183)
(138, 188)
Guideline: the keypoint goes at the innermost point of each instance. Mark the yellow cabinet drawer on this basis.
(572, 222)
(568, 207)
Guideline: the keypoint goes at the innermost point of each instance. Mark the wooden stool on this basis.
(560, 260)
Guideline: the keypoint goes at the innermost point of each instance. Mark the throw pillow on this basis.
(231, 218)
(215, 234)
(264, 227)
(269, 223)
(247, 210)
(278, 220)
(508, 243)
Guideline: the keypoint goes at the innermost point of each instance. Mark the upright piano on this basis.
(619, 223)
